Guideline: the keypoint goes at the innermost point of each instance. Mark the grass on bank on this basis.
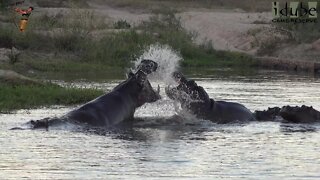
(76, 48)
(14, 97)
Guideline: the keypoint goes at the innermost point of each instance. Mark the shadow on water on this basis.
(248, 74)
(145, 129)
(167, 129)
(299, 128)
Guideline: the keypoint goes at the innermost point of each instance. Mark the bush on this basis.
(70, 40)
(117, 49)
(121, 24)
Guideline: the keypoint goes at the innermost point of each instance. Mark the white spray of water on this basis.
(167, 59)
(168, 62)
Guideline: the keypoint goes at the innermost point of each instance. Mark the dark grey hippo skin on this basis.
(303, 114)
(118, 106)
(271, 114)
(290, 114)
(194, 99)
(114, 108)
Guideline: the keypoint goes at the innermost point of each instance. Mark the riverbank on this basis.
(20, 92)
(14, 97)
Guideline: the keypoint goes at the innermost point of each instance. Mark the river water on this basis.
(257, 150)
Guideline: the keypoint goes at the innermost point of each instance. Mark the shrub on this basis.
(121, 24)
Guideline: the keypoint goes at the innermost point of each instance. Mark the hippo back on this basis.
(228, 112)
(110, 109)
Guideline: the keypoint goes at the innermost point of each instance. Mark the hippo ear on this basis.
(130, 74)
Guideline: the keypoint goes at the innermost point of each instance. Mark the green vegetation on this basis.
(30, 96)
(120, 48)
(2, 5)
(75, 48)
(121, 24)
(61, 3)
(68, 47)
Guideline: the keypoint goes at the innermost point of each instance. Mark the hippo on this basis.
(271, 114)
(195, 99)
(290, 114)
(114, 108)
(303, 114)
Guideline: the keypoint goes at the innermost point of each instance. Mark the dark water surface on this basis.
(203, 151)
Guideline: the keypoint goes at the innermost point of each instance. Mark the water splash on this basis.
(168, 62)
(167, 59)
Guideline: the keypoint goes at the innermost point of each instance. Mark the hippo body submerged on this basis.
(289, 114)
(227, 112)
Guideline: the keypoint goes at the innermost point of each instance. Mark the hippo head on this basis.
(303, 114)
(267, 115)
(186, 89)
(183, 86)
(146, 94)
(191, 96)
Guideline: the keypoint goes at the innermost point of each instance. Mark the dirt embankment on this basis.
(228, 30)
(253, 33)
(232, 30)
(11, 77)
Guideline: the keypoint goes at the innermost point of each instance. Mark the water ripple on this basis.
(209, 151)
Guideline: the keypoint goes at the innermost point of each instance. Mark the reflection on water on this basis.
(204, 151)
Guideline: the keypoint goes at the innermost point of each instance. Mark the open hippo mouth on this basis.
(147, 66)
(185, 90)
